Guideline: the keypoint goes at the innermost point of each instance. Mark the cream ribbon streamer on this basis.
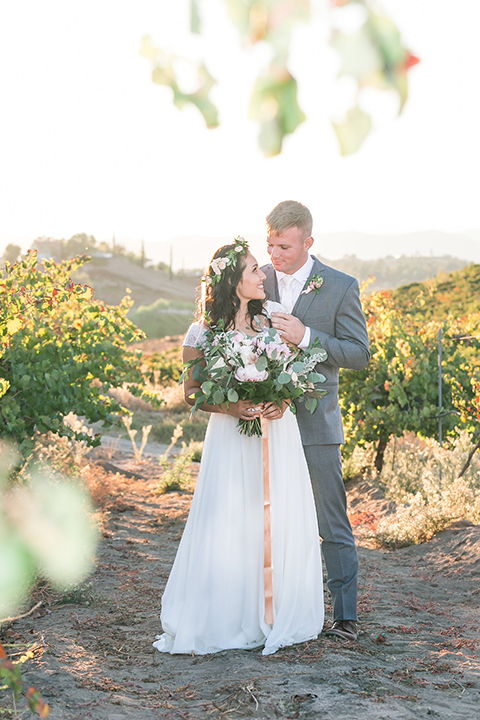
(267, 556)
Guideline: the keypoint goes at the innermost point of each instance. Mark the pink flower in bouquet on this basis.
(251, 374)
(283, 351)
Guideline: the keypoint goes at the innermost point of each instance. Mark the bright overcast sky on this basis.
(89, 144)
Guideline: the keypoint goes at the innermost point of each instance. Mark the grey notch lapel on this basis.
(270, 284)
(304, 301)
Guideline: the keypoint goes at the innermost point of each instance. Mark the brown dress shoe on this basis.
(345, 629)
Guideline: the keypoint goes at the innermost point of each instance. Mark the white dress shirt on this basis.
(300, 278)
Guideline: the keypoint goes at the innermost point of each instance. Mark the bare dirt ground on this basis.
(417, 655)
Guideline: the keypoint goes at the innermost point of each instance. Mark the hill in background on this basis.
(164, 304)
(391, 272)
(111, 276)
(455, 294)
(164, 301)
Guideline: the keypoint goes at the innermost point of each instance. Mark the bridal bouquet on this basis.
(262, 369)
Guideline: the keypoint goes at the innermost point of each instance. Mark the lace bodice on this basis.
(195, 336)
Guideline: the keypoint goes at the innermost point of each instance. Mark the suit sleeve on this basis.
(348, 348)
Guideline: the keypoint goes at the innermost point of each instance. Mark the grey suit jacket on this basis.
(336, 319)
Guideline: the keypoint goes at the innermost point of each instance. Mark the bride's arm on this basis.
(240, 409)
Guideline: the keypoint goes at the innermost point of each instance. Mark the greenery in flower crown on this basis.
(218, 265)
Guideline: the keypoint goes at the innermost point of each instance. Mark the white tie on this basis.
(287, 292)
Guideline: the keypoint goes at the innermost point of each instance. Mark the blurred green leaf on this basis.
(360, 57)
(17, 568)
(199, 98)
(195, 20)
(163, 73)
(270, 20)
(373, 56)
(386, 38)
(274, 104)
(353, 131)
(53, 519)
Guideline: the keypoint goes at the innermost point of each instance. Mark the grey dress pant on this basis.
(338, 544)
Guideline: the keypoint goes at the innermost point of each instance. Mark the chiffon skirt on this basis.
(214, 598)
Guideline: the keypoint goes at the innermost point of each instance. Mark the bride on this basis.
(214, 598)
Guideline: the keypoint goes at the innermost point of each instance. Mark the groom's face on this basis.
(288, 250)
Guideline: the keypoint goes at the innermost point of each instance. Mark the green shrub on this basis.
(163, 317)
(162, 432)
(422, 479)
(194, 449)
(164, 368)
(175, 476)
(60, 352)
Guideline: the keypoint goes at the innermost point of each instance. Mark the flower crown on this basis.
(218, 265)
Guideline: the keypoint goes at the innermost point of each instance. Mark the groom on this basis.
(331, 313)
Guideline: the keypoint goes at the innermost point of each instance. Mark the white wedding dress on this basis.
(214, 598)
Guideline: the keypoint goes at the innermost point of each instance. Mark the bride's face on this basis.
(250, 286)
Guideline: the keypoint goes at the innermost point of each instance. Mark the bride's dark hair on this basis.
(222, 302)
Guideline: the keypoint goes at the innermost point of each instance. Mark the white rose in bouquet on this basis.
(250, 373)
(247, 353)
(219, 364)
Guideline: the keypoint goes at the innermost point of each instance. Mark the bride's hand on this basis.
(243, 409)
(271, 411)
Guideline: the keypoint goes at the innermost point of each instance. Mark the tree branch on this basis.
(469, 459)
(18, 617)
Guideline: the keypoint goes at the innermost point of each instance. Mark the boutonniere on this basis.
(316, 282)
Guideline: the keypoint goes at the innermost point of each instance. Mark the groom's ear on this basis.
(308, 242)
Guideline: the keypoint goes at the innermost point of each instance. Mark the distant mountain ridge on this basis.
(189, 252)
(195, 251)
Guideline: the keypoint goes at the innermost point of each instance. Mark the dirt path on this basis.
(417, 655)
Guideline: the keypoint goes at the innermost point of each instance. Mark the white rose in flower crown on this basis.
(250, 373)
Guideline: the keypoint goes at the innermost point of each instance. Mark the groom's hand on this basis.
(271, 411)
(291, 328)
(242, 409)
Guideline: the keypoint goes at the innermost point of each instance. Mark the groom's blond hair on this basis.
(288, 214)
